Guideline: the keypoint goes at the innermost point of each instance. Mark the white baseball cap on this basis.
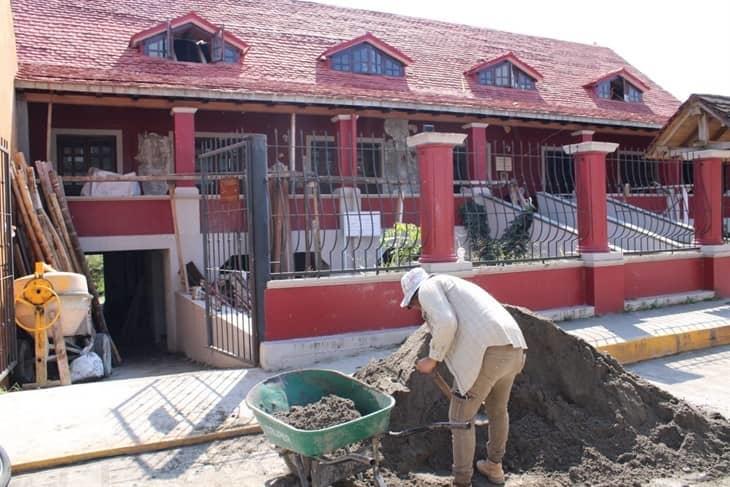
(410, 283)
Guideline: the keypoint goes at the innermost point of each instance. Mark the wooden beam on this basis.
(22, 131)
(703, 129)
(289, 108)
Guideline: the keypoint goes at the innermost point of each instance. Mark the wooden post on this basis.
(49, 120)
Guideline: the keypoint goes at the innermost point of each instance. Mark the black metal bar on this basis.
(258, 226)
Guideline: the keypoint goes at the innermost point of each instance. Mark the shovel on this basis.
(479, 420)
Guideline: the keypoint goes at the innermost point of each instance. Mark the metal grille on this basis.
(227, 253)
(8, 348)
(649, 203)
(515, 203)
(328, 218)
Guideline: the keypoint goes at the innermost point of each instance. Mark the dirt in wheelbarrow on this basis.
(576, 417)
(329, 411)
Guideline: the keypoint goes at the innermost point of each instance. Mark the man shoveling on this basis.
(484, 349)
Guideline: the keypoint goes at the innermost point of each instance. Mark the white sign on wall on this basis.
(361, 224)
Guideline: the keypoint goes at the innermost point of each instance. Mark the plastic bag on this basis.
(114, 188)
(87, 366)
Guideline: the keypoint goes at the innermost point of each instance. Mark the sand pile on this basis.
(329, 411)
(576, 416)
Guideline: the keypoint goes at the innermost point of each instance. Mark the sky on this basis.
(682, 45)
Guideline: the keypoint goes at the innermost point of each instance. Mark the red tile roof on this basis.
(82, 43)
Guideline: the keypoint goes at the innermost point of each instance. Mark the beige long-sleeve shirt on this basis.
(465, 320)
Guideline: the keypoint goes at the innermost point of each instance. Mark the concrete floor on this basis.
(700, 378)
(144, 402)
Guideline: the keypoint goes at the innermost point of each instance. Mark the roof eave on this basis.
(101, 89)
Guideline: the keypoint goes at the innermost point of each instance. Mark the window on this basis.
(192, 45)
(366, 59)
(461, 168)
(323, 162)
(76, 154)
(618, 89)
(559, 175)
(156, 46)
(506, 75)
(636, 171)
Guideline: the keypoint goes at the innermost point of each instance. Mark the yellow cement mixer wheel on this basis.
(38, 292)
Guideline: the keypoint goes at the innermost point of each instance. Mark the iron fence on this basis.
(227, 251)
(515, 203)
(650, 203)
(8, 347)
(726, 201)
(341, 210)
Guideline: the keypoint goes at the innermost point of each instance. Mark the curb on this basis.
(166, 444)
(663, 345)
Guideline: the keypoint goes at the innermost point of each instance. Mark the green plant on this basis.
(514, 242)
(401, 244)
(96, 269)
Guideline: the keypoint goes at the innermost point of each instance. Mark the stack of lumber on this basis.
(45, 231)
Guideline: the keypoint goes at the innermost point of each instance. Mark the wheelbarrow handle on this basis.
(430, 427)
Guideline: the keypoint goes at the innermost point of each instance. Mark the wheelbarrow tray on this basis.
(301, 387)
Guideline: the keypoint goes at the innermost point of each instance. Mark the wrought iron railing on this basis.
(8, 352)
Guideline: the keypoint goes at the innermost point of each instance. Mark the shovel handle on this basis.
(441, 383)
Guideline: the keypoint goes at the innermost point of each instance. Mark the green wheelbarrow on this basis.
(313, 455)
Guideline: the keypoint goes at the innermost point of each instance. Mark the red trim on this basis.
(371, 39)
(122, 217)
(191, 18)
(644, 279)
(624, 73)
(510, 56)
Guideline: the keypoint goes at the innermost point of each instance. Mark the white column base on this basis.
(447, 267)
(715, 250)
(602, 259)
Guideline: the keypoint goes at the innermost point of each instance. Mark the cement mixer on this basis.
(47, 299)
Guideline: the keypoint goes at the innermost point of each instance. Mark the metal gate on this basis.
(8, 341)
(235, 227)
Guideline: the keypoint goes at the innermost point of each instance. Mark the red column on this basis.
(707, 200)
(184, 133)
(478, 164)
(590, 189)
(435, 152)
(346, 126)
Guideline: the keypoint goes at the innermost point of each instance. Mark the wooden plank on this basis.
(49, 122)
(183, 272)
(59, 345)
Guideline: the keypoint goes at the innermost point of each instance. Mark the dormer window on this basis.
(366, 59)
(367, 55)
(190, 39)
(506, 75)
(619, 85)
(506, 71)
(618, 89)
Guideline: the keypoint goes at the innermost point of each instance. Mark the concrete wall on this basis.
(8, 68)
(193, 334)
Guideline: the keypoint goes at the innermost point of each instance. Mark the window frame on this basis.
(377, 62)
(493, 76)
(544, 175)
(117, 134)
(169, 50)
(604, 91)
(307, 159)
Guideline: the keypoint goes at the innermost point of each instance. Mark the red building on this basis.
(148, 87)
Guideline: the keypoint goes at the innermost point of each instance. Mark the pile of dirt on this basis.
(576, 416)
(329, 411)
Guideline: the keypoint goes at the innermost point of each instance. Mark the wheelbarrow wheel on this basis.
(4, 468)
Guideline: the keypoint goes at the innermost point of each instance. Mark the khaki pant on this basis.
(494, 384)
